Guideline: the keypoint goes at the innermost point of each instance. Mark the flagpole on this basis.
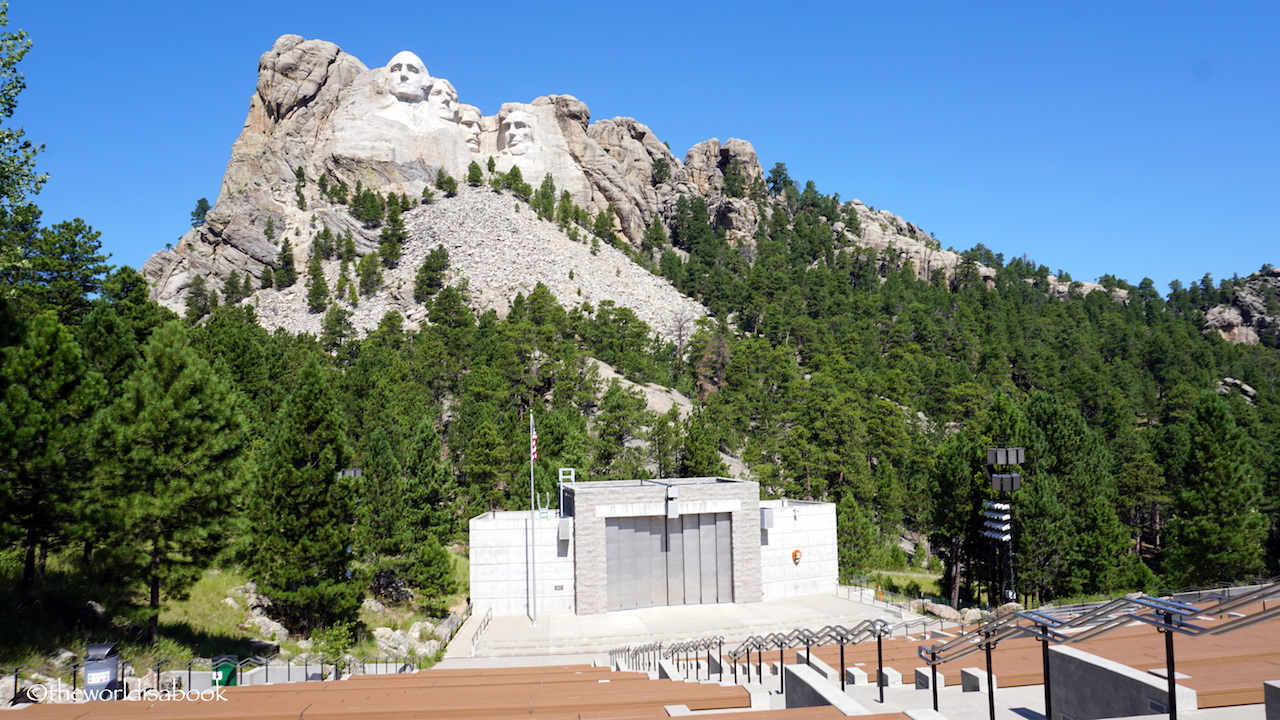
(533, 566)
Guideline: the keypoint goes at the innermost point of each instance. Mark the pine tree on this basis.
(336, 328)
(432, 570)
(655, 236)
(603, 226)
(197, 301)
(699, 456)
(1217, 532)
(286, 274)
(475, 176)
(347, 250)
(621, 416)
(544, 200)
(369, 273)
(317, 286)
(859, 545)
(446, 184)
(566, 211)
(268, 277)
(48, 395)
(1069, 518)
(391, 240)
(302, 511)
(197, 215)
(440, 511)
(55, 268)
(514, 181)
(430, 276)
(169, 450)
(324, 243)
(381, 507)
(487, 472)
(18, 176)
(232, 290)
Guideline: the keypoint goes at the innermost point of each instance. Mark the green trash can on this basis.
(224, 670)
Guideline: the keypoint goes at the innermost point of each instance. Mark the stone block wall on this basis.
(594, 502)
(500, 564)
(809, 527)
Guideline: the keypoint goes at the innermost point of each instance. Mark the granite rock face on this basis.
(319, 117)
(1254, 311)
(318, 112)
(501, 248)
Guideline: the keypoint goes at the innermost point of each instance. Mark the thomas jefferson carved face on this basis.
(444, 99)
(407, 77)
(517, 132)
(469, 116)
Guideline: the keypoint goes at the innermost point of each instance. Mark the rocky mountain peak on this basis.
(323, 127)
(1253, 314)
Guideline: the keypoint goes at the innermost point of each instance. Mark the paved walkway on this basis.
(592, 636)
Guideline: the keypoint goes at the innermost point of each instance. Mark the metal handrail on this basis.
(1080, 623)
(480, 631)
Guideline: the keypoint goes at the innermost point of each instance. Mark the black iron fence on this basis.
(165, 674)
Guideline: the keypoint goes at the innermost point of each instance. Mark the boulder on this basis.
(269, 628)
(1008, 608)
(171, 681)
(61, 657)
(394, 642)
(92, 616)
(421, 630)
(946, 612)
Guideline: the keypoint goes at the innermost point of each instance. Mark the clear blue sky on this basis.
(1139, 139)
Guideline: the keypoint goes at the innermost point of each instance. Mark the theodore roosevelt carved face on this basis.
(407, 78)
(444, 99)
(469, 116)
(517, 132)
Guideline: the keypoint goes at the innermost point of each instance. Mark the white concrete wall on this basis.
(500, 564)
(809, 527)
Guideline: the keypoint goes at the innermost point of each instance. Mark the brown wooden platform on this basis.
(1224, 670)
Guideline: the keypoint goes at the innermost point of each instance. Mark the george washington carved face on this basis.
(407, 77)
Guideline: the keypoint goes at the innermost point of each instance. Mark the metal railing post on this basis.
(1169, 667)
(991, 695)
(880, 665)
(933, 683)
(1048, 694)
(842, 670)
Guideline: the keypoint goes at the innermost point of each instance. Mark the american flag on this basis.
(533, 441)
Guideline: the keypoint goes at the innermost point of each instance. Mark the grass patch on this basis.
(201, 625)
(911, 584)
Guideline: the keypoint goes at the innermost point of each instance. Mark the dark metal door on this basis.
(653, 561)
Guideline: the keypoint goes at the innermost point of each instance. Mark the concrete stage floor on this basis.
(584, 638)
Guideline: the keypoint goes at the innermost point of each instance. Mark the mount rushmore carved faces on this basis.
(407, 78)
(444, 99)
(469, 116)
(516, 133)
